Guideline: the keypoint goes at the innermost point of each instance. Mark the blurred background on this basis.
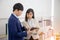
(47, 12)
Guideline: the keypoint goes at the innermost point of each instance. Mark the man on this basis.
(15, 29)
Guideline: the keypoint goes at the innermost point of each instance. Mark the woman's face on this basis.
(29, 15)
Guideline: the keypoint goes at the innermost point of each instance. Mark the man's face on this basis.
(18, 12)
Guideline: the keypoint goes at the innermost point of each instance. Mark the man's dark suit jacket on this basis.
(15, 29)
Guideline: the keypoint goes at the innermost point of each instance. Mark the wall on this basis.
(57, 15)
(42, 8)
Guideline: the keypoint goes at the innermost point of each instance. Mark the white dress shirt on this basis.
(32, 23)
(15, 15)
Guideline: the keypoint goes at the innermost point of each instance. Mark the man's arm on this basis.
(14, 31)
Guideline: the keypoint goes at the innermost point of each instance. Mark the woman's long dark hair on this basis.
(28, 11)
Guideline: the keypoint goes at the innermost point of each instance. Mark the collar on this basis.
(15, 15)
(30, 19)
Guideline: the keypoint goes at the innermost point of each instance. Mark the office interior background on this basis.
(48, 10)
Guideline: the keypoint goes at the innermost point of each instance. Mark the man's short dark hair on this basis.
(18, 6)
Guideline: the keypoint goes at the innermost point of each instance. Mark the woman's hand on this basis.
(29, 32)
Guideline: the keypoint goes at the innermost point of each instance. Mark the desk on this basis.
(57, 36)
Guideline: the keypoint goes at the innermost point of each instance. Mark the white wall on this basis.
(42, 8)
(3, 26)
(57, 15)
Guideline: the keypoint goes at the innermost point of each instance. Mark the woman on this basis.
(30, 23)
